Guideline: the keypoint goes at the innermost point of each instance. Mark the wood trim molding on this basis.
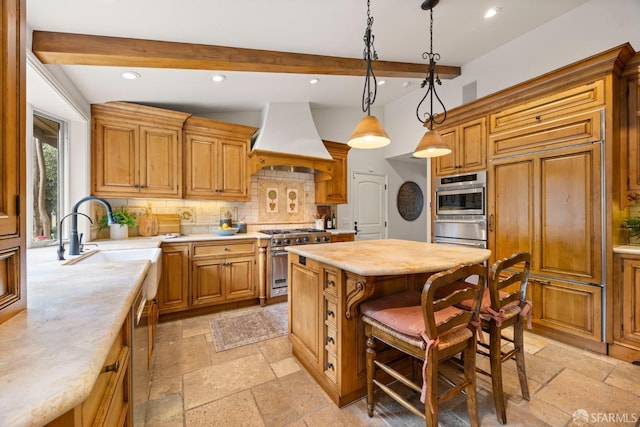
(83, 49)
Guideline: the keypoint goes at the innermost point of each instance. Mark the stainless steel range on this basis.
(278, 283)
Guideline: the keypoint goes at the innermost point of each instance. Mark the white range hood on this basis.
(288, 127)
(288, 140)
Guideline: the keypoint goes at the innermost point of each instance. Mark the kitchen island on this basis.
(327, 283)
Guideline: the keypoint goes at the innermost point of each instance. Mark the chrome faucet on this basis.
(74, 241)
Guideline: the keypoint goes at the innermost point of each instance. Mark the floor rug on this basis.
(238, 329)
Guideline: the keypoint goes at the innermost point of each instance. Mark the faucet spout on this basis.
(74, 242)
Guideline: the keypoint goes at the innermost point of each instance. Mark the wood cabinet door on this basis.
(173, 290)
(335, 189)
(569, 218)
(200, 166)
(115, 155)
(634, 136)
(232, 170)
(511, 207)
(628, 318)
(472, 147)
(207, 281)
(240, 278)
(446, 165)
(160, 162)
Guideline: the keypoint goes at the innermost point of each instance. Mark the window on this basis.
(47, 166)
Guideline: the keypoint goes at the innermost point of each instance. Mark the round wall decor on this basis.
(410, 200)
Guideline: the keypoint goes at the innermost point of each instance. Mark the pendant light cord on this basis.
(431, 80)
(369, 54)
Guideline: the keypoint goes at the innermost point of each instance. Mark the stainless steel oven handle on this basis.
(460, 221)
(279, 253)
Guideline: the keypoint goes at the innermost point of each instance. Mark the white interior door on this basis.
(369, 201)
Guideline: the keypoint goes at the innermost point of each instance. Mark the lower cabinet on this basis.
(201, 274)
(109, 402)
(625, 318)
(568, 310)
(343, 237)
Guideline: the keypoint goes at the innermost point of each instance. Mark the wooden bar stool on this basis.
(429, 329)
(505, 306)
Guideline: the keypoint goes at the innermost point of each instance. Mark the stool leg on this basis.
(518, 333)
(495, 345)
(469, 357)
(371, 357)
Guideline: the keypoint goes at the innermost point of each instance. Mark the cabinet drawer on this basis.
(331, 366)
(330, 312)
(550, 108)
(331, 336)
(228, 248)
(330, 283)
(96, 407)
(566, 307)
(563, 132)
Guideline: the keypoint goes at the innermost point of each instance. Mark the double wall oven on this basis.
(277, 280)
(461, 209)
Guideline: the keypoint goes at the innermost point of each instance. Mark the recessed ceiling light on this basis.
(130, 75)
(490, 13)
(218, 78)
(381, 82)
(314, 80)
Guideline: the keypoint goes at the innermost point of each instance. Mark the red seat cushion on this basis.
(403, 312)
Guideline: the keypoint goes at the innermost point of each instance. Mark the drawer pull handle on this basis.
(330, 366)
(329, 313)
(330, 340)
(543, 282)
(113, 368)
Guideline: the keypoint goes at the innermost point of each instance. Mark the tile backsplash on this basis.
(278, 200)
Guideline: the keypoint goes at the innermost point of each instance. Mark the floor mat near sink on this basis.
(238, 329)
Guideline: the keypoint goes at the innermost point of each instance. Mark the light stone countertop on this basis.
(391, 256)
(627, 249)
(53, 352)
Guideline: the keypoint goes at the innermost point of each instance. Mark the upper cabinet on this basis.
(13, 292)
(136, 151)
(335, 189)
(468, 143)
(633, 135)
(216, 160)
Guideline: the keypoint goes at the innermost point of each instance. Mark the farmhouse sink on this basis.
(150, 284)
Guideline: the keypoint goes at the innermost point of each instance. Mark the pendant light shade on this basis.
(431, 145)
(369, 134)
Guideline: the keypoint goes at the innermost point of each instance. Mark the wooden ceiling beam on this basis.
(83, 49)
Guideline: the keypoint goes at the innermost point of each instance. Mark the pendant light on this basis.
(369, 133)
(432, 144)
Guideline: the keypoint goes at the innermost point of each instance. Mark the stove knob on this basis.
(298, 241)
(287, 241)
(306, 239)
(278, 242)
(325, 239)
(317, 239)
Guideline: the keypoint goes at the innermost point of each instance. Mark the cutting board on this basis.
(168, 223)
(148, 224)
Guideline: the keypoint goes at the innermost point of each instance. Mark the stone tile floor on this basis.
(262, 385)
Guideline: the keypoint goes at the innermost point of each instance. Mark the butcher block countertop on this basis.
(391, 256)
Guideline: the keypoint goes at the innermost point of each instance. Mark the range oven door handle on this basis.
(460, 221)
(279, 253)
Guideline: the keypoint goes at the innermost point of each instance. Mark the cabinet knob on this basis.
(329, 313)
(331, 283)
(113, 368)
(330, 340)
(330, 366)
